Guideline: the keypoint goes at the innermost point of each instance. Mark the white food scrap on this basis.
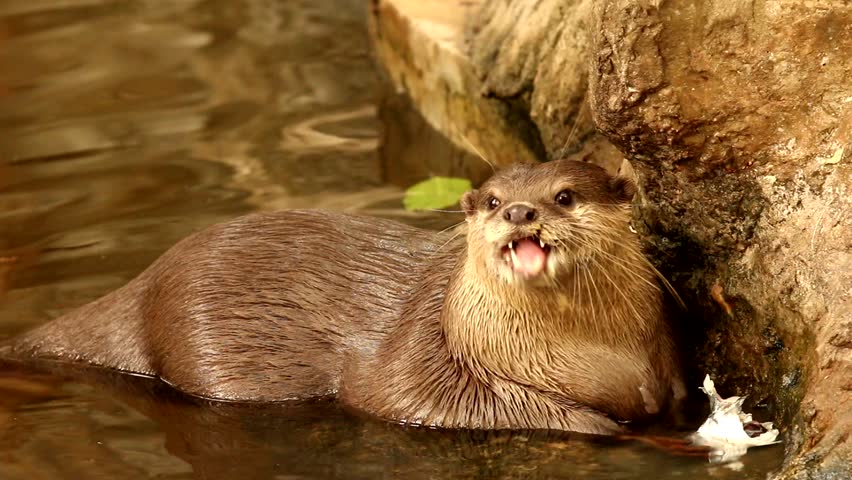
(729, 432)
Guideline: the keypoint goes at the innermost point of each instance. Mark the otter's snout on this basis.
(520, 214)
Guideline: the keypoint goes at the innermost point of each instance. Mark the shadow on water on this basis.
(125, 125)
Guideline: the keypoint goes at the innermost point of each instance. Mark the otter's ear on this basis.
(468, 202)
(623, 188)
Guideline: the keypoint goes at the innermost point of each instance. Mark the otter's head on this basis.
(532, 223)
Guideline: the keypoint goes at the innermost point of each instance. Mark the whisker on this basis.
(577, 119)
(668, 286)
(575, 282)
(616, 287)
(622, 263)
(647, 264)
(479, 154)
(607, 256)
(451, 227)
(438, 250)
(601, 235)
(590, 279)
(589, 291)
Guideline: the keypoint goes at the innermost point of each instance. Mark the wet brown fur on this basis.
(403, 323)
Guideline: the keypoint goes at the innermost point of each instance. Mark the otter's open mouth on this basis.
(526, 256)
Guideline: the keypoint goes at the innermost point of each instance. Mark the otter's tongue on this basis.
(529, 257)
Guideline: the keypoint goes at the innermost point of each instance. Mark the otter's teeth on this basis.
(512, 245)
(541, 242)
(514, 256)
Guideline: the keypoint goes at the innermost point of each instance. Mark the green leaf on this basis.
(436, 192)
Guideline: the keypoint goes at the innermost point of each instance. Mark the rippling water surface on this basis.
(125, 126)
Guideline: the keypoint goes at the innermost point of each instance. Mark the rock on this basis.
(419, 44)
(412, 150)
(724, 83)
(513, 94)
(534, 55)
(738, 114)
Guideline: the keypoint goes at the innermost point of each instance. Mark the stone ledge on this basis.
(420, 45)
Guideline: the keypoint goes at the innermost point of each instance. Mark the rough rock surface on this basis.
(739, 114)
(419, 44)
(532, 66)
(512, 94)
(534, 56)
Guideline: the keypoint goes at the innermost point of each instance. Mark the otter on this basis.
(545, 314)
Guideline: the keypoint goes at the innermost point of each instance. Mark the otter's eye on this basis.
(493, 203)
(564, 198)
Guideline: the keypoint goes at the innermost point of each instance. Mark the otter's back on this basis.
(259, 308)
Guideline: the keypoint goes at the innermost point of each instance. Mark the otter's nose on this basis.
(520, 214)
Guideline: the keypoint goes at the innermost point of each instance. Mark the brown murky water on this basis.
(126, 125)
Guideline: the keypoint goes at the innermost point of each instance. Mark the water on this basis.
(125, 126)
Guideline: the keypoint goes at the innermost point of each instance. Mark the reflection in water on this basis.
(136, 425)
(127, 124)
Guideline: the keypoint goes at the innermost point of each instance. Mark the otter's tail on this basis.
(107, 332)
